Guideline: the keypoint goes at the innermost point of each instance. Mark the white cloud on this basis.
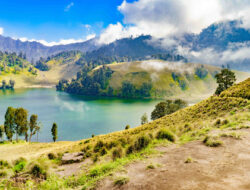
(67, 8)
(118, 31)
(161, 18)
(90, 36)
(1, 30)
(60, 42)
(235, 54)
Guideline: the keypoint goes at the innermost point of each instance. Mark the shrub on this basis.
(51, 156)
(130, 149)
(112, 144)
(117, 153)
(224, 122)
(217, 122)
(3, 174)
(187, 128)
(38, 172)
(87, 141)
(212, 141)
(165, 134)
(150, 166)
(19, 165)
(98, 146)
(95, 158)
(123, 142)
(189, 160)
(121, 181)
(103, 151)
(127, 127)
(141, 143)
(93, 135)
(4, 163)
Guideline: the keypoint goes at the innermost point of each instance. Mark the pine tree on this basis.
(54, 132)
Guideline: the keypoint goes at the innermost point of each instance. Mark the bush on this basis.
(121, 181)
(224, 122)
(38, 172)
(217, 122)
(189, 160)
(150, 166)
(103, 151)
(117, 153)
(130, 149)
(51, 156)
(112, 144)
(98, 146)
(212, 141)
(165, 134)
(19, 165)
(95, 158)
(141, 143)
(127, 127)
(4, 163)
(3, 174)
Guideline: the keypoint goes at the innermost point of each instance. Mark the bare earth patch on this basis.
(222, 168)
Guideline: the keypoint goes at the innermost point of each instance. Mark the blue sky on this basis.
(68, 21)
(52, 20)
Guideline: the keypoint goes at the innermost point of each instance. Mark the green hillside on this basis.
(102, 156)
(147, 79)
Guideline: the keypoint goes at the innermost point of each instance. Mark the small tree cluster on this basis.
(167, 107)
(7, 86)
(16, 122)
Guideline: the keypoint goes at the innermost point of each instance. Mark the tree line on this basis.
(7, 86)
(17, 123)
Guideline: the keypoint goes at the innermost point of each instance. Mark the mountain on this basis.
(218, 36)
(35, 50)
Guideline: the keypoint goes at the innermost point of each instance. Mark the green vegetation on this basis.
(225, 79)
(167, 107)
(13, 63)
(144, 119)
(165, 134)
(110, 152)
(54, 132)
(212, 141)
(121, 181)
(189, 160)
(16, 122)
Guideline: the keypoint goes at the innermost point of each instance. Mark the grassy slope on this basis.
(61, 68)
(161, 77)
(199, 118)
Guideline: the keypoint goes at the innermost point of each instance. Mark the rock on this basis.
(69, 158)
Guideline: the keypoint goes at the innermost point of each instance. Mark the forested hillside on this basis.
(145, 79)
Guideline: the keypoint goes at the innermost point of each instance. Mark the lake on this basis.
(77, 117)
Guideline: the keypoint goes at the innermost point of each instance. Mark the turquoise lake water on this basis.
(77, 117)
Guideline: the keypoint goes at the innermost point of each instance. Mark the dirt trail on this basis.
(221, 168)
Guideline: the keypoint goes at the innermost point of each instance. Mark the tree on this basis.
(167, 107)
(3, 84)
(11, 84)
(127, 127)
(144, 119)
(159, 111)
(225, 79)
(1, 131)
(33, 126)
(9, 123)
(21, 123)
(54, 132)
